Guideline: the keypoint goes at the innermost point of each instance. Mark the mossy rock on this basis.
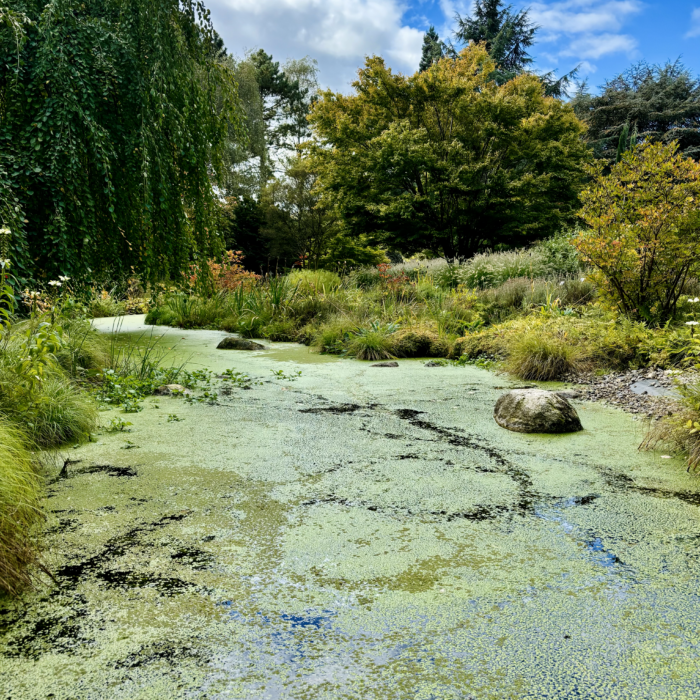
(239, 344)
(536, 411)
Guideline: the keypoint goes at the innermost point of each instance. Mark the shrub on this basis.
(314, 281)
(331, 336)
(644, 237)
(20, 513)
(104, 305)
(491, 269)
(559, 255)
(543, 357)
(419, 342)
(36, 391)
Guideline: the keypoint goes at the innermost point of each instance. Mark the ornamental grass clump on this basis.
(543, 357)
(373, 343)
(681, 431)
(20, 512)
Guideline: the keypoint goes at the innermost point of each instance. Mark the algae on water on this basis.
(360, 533)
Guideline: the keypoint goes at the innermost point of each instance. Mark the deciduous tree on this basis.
(644, 228)
(114, 116)
(447, 159)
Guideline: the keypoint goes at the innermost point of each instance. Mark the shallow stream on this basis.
(359, 532)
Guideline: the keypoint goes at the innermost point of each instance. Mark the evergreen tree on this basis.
(433, 49)
(507, 35)
(662, 103)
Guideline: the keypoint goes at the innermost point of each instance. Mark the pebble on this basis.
(615, 389)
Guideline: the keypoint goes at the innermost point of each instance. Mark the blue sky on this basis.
(602, 36)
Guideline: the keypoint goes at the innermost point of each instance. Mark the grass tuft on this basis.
(20, 513)
(540, 357)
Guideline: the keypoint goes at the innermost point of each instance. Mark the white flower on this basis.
(5, 231)
(562, 283)
(692, 323)
(4, 263)
(694, 301)
(583, 279)
(63, 279)
(55, 283)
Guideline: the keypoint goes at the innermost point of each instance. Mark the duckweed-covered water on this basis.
(360, 533)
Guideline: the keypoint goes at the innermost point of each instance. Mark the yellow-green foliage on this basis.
(314, 281)
(38, 364)
(644, 233)
(543, 356)
(370, 344)
(681, 431)
(420, 342)
(602, 339)
(20, 513)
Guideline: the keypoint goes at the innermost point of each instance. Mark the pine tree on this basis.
(622, 143)
(433, 49)
(507, 35)
(663, 103)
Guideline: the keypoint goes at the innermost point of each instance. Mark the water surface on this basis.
(359, 533)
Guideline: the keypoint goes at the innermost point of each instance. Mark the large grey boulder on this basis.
(536, 411)
(232, 343)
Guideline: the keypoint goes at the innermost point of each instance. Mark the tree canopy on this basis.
(447, 159)
(654, 103)
(507, 35)
(115, 114)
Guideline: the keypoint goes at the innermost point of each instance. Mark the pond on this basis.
(359, 532)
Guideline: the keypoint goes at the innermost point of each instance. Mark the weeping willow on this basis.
(114, 116)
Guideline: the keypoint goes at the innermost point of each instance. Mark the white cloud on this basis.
(583, 16)
(339, 34)
(585, 30)
(596, 45)
(694, 24)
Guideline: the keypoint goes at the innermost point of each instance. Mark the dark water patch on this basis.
(624, 482)
(59, 631)
(115, 548)
(110, 470)
(160, 652)
(480, 512)
(338, 409)
(194, 558)
(135, 579)
(64, 525)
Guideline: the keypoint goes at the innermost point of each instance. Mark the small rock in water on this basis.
(536, 411)
(385, 364)
(232, 343)
(170, 389)
(569, 394)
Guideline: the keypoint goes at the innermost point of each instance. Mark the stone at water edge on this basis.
(536, 411)
(231, 343)
(170, 389)
(385, 364)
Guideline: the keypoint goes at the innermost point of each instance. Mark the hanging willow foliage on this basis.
(114, 116)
